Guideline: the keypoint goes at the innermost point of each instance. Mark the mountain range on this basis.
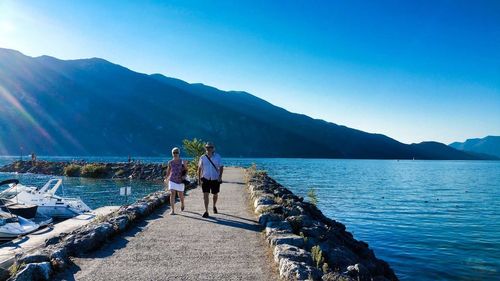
(94, 107)
(488, 145)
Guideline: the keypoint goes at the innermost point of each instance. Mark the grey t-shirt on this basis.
(208, 170)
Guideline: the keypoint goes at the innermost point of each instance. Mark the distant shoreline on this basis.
(167, 157)
(86, 169)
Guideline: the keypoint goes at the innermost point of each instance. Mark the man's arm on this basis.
(199, 172)
(221, 169)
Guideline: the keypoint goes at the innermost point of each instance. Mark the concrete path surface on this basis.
(226, 246)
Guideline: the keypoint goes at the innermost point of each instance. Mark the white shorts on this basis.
(175, 186)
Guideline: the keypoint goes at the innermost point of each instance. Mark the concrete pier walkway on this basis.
(226, 246)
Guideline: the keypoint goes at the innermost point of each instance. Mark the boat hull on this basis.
(59, 212)
(25, 211)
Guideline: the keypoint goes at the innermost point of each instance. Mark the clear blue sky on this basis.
(413, 70)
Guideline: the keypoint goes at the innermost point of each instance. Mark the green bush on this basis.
(313, 197)
(93, 171)
(317, 256)
(15, 268)
(120, 172)
(194, 148)
(72, 170)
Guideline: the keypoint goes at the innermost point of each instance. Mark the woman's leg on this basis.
(172, 201)
(181, 196)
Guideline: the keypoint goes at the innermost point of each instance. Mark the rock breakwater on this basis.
(132, 170)
(306, 244)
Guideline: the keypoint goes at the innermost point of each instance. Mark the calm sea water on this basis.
(431, 220)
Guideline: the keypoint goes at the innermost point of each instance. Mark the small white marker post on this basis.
(125, 191)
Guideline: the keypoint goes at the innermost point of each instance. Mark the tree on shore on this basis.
(194, 148)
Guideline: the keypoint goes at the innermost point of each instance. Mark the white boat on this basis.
(12, 226)
(49, 204)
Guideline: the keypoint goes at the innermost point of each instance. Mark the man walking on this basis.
(210, 170)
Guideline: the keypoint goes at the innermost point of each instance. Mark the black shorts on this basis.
(212, 186)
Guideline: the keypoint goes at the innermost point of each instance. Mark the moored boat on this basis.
(47, 202)
(27, 211)
(12, 226)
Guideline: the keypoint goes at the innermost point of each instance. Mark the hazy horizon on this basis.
(424, 71)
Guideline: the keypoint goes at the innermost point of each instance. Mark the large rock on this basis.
(297, 222)
(290, 239)
(34, 272)
(89, 239)
(286, 251)
(120, 223)
(278, 227)
(264, 200)
(59, 259)
(359, 272)
(314, 231)
(269, 217)
(274, 208)
(335, 276)
(341, 257)
(292, 270)
(295, 210)
(35, 257)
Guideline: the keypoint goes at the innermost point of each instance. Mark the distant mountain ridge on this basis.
(94, 107)
(488, 145)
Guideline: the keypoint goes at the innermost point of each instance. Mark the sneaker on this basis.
(182, 208)
(205, 215)
(215, 210)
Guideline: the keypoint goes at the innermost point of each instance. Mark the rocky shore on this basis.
(132, 170)
(306, 244)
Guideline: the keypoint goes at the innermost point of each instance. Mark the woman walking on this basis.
(176, 170)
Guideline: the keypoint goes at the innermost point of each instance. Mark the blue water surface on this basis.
(431, 220)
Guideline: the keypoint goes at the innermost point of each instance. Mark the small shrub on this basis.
(93, 171)
(325, 268)
(317, 256)
(15, 268)
(119, 172)
(312, 196)
(72, 170)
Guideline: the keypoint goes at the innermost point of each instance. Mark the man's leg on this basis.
(181, 196)
(215, 199)
(215, 192)
(205, 200)
(205, 187)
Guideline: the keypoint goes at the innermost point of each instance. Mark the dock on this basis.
(36, 240)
